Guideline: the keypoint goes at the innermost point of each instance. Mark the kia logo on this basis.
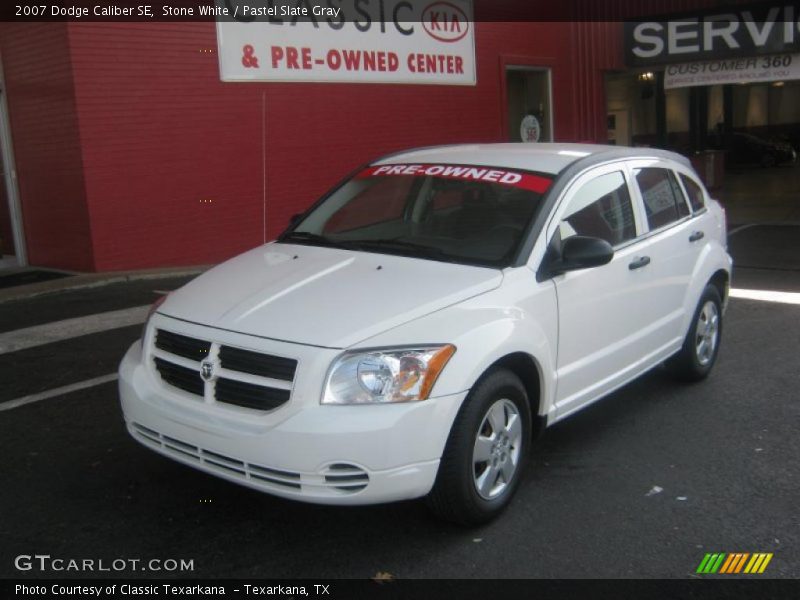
(445, 22)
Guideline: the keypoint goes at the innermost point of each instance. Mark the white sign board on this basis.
(756, 69)
(530, 130)
(659, 197)
(391, 41)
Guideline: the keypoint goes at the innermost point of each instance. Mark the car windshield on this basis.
(464, 214)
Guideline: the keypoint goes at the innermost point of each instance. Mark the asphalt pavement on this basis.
(641, 484)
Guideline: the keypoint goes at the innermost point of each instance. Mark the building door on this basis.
(530, 117)
(12, 243)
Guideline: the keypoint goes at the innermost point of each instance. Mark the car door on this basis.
(603, 312)
(674, 240)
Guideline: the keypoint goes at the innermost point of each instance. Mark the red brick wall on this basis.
(162, 135)
(124, 131)
(161, 138)
(47, 148)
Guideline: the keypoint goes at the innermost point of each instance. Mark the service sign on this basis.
(755, 69)
(352, 41)
(748, 30)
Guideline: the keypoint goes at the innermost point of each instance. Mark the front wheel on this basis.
(485, 454)
(700, 348)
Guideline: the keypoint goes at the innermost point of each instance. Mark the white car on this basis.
(410, 333)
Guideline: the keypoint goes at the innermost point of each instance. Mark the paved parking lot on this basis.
(642, 484)
(757, 195)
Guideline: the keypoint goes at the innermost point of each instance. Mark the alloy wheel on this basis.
(496, 453)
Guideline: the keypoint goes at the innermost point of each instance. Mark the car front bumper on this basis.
(302, 451)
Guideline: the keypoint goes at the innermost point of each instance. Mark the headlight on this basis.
(385, 375)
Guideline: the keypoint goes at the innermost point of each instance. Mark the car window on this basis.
(444, 200)
(663, 200)
(453, 213)
(695, 193)
(601, 208)
(384, 201)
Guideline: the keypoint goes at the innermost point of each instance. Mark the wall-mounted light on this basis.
(646, 81)
(777, 84)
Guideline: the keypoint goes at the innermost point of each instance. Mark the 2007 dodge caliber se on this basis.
(409, 333)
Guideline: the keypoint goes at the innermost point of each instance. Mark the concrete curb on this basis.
(90, 280)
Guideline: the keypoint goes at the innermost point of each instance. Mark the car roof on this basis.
(551, 158)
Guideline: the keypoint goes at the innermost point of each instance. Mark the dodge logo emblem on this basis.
(207, 370)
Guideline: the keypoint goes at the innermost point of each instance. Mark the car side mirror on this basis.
(584, 252)
(578, 252)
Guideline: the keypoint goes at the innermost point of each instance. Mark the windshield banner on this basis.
(527, 181)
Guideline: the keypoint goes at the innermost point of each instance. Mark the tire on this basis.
(494, 424)
(700, 347)
(768, 160)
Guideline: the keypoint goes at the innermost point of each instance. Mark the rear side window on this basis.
(695, 193)
(601, 208)
(663, 200)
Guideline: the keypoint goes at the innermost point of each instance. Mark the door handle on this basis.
(696, 235)
(640, 262)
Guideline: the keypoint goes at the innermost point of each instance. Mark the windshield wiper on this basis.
(388, 246)
(306, 237)
(400, 247)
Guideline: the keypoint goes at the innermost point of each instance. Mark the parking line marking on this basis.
(764, 224)
(66, 389)
(766, 295)
(38, 335)
(742, 228)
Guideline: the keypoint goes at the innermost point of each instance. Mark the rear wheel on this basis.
(700, 348)
(486, 452)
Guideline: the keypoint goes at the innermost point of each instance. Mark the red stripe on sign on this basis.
(526, 181)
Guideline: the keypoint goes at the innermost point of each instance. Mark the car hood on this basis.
(324, 296)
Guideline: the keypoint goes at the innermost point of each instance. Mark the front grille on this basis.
(264, 384)
(250, 395)
(338, 479)
(256, 363)
(181, 345)
(215, 460)
(180, 377)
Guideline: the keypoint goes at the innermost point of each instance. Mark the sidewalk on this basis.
(73, 281)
